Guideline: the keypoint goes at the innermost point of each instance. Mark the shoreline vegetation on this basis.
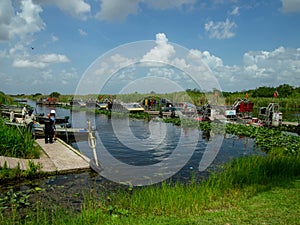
(246, 190)
(287, 96)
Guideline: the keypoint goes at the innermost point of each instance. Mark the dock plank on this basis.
(64, 157)
(57, 157)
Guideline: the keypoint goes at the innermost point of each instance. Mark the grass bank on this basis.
(250, 190)
(17, 142)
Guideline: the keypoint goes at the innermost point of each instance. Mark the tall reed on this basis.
(17, 142)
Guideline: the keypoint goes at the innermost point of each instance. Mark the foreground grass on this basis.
(249, 190)
(277, 205)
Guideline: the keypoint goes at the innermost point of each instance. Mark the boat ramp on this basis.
(58, 157)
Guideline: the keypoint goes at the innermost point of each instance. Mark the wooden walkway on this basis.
(290, 123)
(57, 157)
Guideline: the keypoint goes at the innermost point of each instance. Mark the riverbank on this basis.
(250, 190)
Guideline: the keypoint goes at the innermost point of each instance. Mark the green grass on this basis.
(5, 99)
(16, 173)
(249, 190)
(278, 205)
(17, 142)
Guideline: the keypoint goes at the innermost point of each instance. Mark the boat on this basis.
(186, 108)
(270, 115)
(66, 133)
(39, 118)
(133, 107)
(47, 101)
(241, 108)
(61, 131)
(58, 120)
(78, 102)
(101, 105)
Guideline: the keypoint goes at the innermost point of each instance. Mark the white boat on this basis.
(133, 107)
(60, 131)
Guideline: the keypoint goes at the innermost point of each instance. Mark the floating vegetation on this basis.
(265, 138)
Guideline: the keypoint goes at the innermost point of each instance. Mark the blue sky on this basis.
(49, 45)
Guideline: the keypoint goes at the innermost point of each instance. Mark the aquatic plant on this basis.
(267, 138)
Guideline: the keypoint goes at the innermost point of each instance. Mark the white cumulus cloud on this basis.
(20, 21)
(118, 10)
(220, 30)
(39, 61)
(76, 8)
(162, 52)
(168, 4)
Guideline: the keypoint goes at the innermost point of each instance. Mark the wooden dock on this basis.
(290, 123)
(57, 157)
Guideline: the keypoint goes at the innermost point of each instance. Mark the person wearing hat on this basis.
(52, 117)
(30, 120)
(24, 112)
(50, 127)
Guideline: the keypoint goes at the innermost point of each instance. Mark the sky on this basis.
(119, 45)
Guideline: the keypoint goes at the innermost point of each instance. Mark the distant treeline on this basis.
(284, 90)
(284, 93)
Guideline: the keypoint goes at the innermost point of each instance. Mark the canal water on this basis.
(134, 152)
(129, 149)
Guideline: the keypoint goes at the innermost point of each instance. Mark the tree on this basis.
(54, 95)
(284, 90)
(36, 94)
(263, 92)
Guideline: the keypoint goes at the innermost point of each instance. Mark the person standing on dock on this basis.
(52, 117)
(11, 116)
(50, 127)
(30, 120)
(24, 112)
